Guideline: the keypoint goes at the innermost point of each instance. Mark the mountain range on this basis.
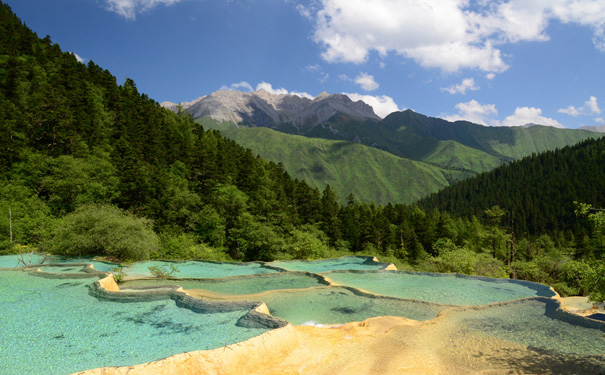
(262, 108)
(426, 153)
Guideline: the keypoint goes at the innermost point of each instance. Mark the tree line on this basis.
(92, 167)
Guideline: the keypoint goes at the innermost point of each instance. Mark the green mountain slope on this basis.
(458, 144)
(350, 168)
(537, 191)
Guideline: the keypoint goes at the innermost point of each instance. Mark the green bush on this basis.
(105, 230)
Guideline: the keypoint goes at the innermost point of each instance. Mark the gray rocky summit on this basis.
(262, 108)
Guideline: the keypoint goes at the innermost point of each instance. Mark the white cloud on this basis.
(130, 8)
(529, 115)
(590, 107)
(474, 112)
(281, 91)
(478, 113)
(467, 84)
(446, 34)
(599, 120)
(382, 105)
(366, 81)
(571, 110)
(80, 59)
(241, 86)
(490, 76)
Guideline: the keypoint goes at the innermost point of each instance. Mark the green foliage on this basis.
(371, 174)
(306, 244)
(186, 246)
(105, 230)
(118, 274)
(164, 271)
(537, 192)
(90, 167)
(594, 281)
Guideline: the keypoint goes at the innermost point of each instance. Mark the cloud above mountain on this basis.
(445, 34)
(478, 113)
(130, 8)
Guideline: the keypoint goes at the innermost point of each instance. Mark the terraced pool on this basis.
(58, 324)
(55, 326)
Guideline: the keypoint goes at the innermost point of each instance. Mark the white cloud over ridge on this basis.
(474, 112)
(383, 105)
(530, 115)
(482, 114)
(446, 34)
(130, 8)
(247, 87)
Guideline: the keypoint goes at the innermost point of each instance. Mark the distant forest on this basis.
(93, 167)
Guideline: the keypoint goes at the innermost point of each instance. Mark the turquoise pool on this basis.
(198, 269)
(537, 323)
(238, 285)
(448, 289)
(325, 265)
(12, 261)
(335, 305)
(55, 326)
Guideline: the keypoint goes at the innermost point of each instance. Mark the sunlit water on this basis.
(238, 285)
(198, 269)
(54, 326)
(440, 288)
(325, 265)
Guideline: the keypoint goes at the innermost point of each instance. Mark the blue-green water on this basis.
(98, 265)
(12, 261)
(325, 265)
(238, 285)
(335, 305)
(198, 269)
(440, 288)
(536, 323)
(54, 326)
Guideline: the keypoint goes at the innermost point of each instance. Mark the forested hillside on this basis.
(538, 192)
(370, 174)
(91, 167)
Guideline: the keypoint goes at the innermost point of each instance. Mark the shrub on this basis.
(105, 230)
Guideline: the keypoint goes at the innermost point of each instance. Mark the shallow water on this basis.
(325, 265)
(12, 261)
(198, 269)
(536, 323)
(54, 326)
(238, 285)
(439, 288)
(335, 305)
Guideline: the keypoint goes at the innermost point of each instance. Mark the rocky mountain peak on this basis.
(263, 108)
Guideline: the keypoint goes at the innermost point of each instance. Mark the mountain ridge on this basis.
(262, 108)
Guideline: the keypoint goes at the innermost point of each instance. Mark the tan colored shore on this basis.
(383, 345)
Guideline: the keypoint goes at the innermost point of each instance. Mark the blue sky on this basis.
(494, 62)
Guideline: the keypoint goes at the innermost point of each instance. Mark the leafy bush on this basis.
(105, 230)
(164, 271)
(186, 246)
